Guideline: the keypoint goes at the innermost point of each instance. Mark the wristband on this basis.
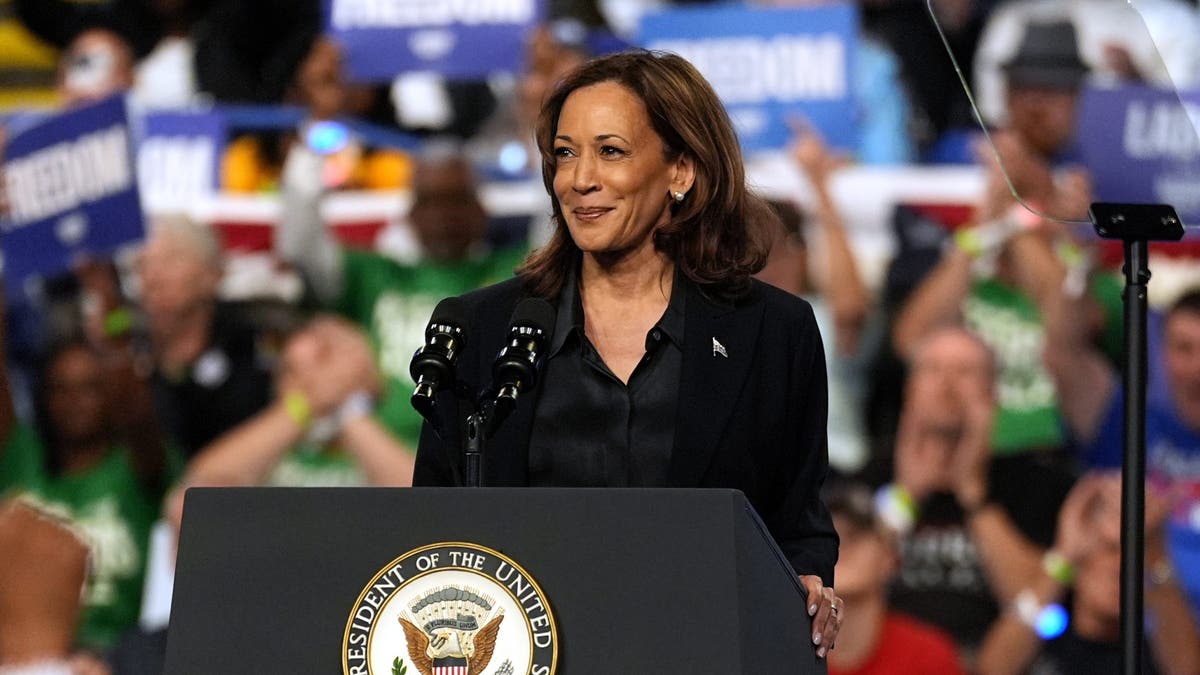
(118, 322)
(895, 507)
(1026, 607)
(359, 404)
(299, 410)
(1058, 568)
(980, 240)
(1160, 574)
(1079, 265)
(1046, 621)
(969, 241)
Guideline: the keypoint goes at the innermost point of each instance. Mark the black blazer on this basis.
(754, 420)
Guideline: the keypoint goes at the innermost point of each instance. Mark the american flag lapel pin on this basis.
(719, 348)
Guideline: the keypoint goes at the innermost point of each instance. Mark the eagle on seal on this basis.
(450, 651)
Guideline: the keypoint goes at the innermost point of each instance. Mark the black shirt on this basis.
(1074, 655)
(941, 579)
(592, 430)
(225, 385)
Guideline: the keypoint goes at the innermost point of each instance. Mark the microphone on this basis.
(432, 366)
(515, 369)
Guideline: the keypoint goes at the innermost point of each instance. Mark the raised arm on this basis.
(1172, 632)
(384, 460)
(936, 302)
(245, 455)
(302, 238)
(843, 286)
(1084, 380)
(311, 385)
(108, 323)
(1011, 643)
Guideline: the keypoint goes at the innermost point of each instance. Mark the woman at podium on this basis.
(667, 365)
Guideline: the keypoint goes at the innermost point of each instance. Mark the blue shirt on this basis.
(1172, 458)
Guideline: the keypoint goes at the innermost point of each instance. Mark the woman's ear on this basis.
(684, 173)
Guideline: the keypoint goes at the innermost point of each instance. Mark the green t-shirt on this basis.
(1008, 320)
(21, 461)
(394, 302)
(109, 506)
(312, 465)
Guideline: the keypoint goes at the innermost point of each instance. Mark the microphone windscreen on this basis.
(535, 313)
(451, 311)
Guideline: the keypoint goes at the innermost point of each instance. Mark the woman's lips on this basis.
(590, 213)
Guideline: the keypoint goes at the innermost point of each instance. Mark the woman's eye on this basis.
(561, 152)
(610, 151)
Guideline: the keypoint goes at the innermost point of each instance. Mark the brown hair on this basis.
(718, 235)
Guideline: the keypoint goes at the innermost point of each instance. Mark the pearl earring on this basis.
(678, 196)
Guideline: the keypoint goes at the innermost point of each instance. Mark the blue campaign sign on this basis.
(768, 65)
(179, 158)
(460, 39)
(71, 190)
(1140, 145)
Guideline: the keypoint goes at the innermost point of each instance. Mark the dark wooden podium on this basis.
(666, 581)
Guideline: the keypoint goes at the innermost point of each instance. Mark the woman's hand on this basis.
(827, 610)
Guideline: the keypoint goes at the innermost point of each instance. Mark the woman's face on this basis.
(75, 400)
(611, 179)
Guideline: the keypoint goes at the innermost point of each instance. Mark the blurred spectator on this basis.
(252, 162)
(394, 297)
(835, 275)
(318, 431)
(1086, 560)
(971, 524)
(233, 51)
(829, 279)
(875, 639)
(42, 574)
(1152, 41)
(95, 465)
(212, 367)
(939, 102)
(981, 282)
(1093, 405)
(505, 144)
(95, 65)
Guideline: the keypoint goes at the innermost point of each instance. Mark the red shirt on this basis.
(909, 647)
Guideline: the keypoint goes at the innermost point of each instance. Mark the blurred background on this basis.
(224, 225)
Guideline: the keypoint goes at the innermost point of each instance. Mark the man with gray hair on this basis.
(970, 523)
(212, 369)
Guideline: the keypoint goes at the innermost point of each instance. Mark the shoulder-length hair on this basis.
(717, 235)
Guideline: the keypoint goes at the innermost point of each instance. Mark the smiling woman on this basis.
(717, 233)
(669, 365)
(612, 172)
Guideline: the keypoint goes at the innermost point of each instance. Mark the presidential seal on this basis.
(451, 609)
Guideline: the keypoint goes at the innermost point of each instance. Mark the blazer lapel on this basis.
(719, 342)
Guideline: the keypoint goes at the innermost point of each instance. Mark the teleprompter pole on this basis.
(1136, 225)
(1133, 475)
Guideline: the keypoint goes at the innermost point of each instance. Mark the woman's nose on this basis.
(584, 179)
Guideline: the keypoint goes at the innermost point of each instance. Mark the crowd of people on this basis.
(975, 411)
